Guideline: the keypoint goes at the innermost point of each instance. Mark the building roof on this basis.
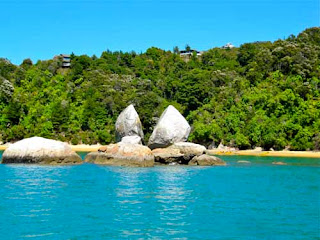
(65, 55)
(228, 45)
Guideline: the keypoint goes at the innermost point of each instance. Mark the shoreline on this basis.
(309, 154)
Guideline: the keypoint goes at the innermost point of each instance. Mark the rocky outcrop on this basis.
(128, 124)
(171, 128)
(188, 148)
(38, 150)
(122, 154)
(167, 156)
(206, 160)
(184, 153)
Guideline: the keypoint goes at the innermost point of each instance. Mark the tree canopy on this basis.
(261, 94)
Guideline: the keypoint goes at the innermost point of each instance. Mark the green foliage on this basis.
(260, 94)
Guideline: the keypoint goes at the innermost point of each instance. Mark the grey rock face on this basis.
(38, 150)
(172, 127)
(131, 139)
(128, 124)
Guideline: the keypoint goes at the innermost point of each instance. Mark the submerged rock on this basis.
(122, 154)
(172, 127)
(128, 124)
(243, 161)
(38, 150)
(279, 163)
(206, 160)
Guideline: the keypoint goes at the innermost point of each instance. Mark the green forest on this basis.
(261, 94)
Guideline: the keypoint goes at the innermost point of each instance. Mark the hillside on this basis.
(261, 94)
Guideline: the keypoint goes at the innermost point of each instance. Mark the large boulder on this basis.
(206, 160)
(188, 148)
(172, 127)
(128, 124)
(40, 150)
(122, 154)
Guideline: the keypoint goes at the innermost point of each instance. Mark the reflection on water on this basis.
(30, 194)
(165, 195)
(173, 197)
(98, 202)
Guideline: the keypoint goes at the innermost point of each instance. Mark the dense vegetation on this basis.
(260, 94)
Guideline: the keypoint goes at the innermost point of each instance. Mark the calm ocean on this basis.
(239, 201)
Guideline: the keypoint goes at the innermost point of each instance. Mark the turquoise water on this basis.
(239, 201)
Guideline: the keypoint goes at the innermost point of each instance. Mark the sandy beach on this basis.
(85, 148)
(308, 154)
(3, 147)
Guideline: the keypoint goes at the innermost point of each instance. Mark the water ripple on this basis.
(99, 202)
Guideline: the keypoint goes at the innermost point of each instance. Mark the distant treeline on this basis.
(260, 94)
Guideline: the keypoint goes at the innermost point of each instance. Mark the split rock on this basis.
(128, 124)
(172, 127)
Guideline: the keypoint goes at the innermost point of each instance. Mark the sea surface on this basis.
(255, 200)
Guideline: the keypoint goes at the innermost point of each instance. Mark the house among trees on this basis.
(189, 53)
(228, 46)
(66, 60)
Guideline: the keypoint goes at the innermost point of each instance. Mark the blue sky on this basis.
(40, 29)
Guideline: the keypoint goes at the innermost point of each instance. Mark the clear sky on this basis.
(40, 29)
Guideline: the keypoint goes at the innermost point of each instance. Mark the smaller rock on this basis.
(243, 161)
(188, 148)
(206, 160)
(102, 149)
(212, 146)
(92, 156)
(279, 163)
(132, 140)
(173, 164)
(167, 155)
(287, 148)
(221, 147)
(258, 149)
(226, 148)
